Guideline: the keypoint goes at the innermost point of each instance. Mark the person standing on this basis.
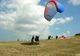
(56, 37)
(32, 40)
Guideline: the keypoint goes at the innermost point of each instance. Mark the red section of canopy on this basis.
(51, 1)
(54, 1)
(46, 10)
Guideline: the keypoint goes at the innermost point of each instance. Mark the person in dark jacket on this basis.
(49, 37)
(32, 40)
(37, 38)
(56, 37)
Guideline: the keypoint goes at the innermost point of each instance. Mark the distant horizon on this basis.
(28, 38)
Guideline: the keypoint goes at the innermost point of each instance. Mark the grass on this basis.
(53, 47)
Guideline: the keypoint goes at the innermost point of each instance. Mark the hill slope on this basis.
(66, 47)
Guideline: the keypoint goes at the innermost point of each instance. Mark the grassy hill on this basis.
(66, 47)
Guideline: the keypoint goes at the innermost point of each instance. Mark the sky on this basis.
(20, 19)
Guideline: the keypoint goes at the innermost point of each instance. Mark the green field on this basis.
(53, 47)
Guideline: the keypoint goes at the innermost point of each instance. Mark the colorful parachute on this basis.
(52, 8)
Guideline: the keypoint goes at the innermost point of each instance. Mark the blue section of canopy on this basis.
(60, 7)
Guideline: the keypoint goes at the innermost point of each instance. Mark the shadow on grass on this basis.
(35, 43)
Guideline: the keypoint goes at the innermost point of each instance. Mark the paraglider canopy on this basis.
(50, 11)
(52, 8)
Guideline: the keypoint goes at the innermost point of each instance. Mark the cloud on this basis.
(27, 19)
(61, 20)
(74, 2)
(7, 20)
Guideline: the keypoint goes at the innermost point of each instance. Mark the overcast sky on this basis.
(24, 18)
